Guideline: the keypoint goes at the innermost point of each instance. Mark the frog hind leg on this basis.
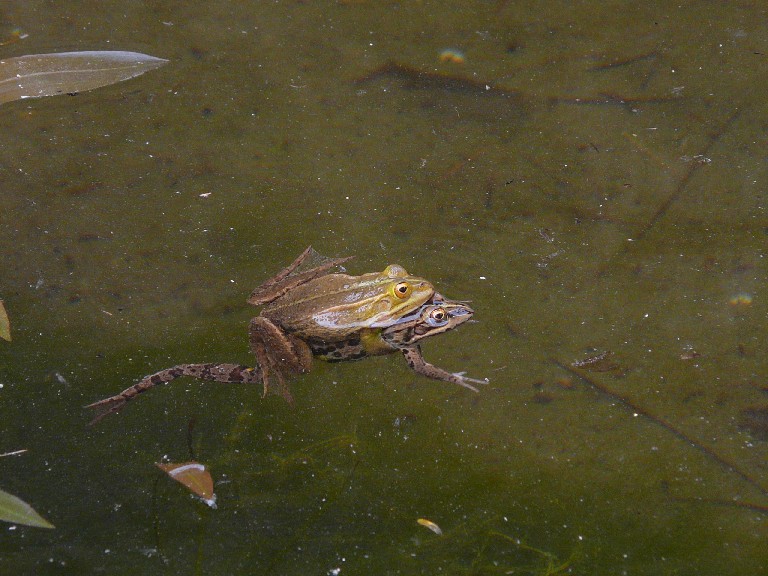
(227, 373)
(279, 355)
(418, 364)
(284, 281)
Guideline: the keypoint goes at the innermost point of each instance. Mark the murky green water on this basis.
(592, 177)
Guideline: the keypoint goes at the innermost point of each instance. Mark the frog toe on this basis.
(466, 379)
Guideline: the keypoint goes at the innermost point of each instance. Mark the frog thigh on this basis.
(278, 354)
(279, 351)
(303, 352)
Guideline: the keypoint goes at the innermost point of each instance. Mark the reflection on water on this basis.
(590, 177)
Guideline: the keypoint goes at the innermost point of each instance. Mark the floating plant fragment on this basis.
(36, 75)
(195, 477)
(431, 525)
(5, 324)
(755, 421)
(741, 300)
(689, 353)
(17, 511)
(15, 36)
(600, 363)
(452, 56)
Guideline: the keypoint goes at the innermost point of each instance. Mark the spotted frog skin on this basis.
(334, 317)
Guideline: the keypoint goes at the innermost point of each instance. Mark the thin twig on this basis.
(677, 192)
(669, 426)
(14, 453)
(761, 508)
(625, 61)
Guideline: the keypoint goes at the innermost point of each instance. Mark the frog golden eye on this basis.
(403, 290)
(437, 317)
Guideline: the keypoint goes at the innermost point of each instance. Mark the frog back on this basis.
(335, 306)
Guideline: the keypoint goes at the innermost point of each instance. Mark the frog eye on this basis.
(437, 317)
(403, 290)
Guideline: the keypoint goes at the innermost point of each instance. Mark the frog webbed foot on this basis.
(418, 364)
(463, 378)
(106, 407)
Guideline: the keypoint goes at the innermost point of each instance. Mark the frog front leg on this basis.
(417, 363)
(227, 373)
(279, 354)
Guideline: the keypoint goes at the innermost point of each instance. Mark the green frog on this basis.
(336, 317)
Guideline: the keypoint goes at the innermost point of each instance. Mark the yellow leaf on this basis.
(195, 477)
(431, 525)
(5, 324)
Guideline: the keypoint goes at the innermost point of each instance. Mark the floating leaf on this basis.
(431, 525)
(37, 75)
(195, 477)
(17, 511)
(5, 324)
